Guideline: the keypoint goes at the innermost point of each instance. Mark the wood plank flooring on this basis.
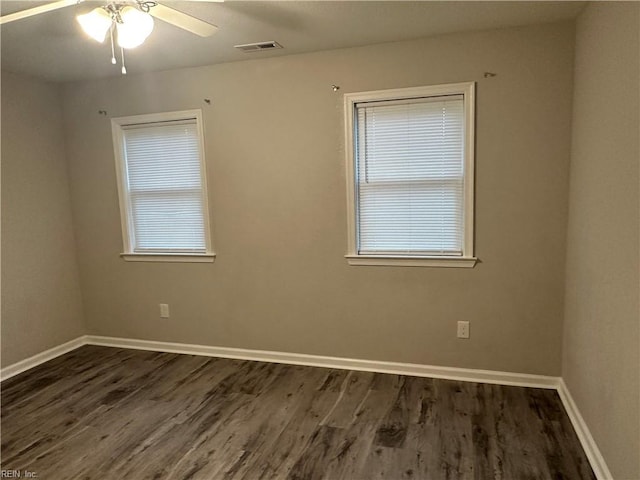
(108, 413)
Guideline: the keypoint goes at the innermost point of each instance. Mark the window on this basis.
(410, 172)
(162, 187)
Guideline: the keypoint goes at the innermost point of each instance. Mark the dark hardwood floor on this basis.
(108, 413)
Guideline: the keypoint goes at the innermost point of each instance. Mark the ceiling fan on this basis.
(128, 21)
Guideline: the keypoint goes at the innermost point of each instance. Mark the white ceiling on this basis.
(52, 46)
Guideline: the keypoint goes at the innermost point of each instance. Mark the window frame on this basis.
(467, 259)
(118, 125)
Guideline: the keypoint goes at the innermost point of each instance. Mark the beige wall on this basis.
(41, 301)
(602, 315)
(275, 159)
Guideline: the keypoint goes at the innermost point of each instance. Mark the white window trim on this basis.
(350, 100)
(117, 125)
(169, 257)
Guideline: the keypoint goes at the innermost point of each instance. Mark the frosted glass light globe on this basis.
(96, 23)
(136, 26)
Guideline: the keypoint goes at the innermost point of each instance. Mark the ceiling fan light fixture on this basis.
(135, 27)
(96, 23)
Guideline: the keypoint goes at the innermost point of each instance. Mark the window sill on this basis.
(169, 257)
(405, 261)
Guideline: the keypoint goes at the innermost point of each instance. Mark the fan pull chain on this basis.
(124, 69)
(113, 52)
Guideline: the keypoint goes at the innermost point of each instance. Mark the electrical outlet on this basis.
(463, 329)
(164, 310)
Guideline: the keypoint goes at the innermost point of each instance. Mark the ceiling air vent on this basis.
(255, 47)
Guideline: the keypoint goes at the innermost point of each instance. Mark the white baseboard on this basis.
(450, 373)
(592, 451)
(35, 360)
(418, 370)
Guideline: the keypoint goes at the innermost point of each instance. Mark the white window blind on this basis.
(164, 187)
(409, 173)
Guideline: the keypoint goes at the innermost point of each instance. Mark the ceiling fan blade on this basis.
(182, 20)
(12, 17)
